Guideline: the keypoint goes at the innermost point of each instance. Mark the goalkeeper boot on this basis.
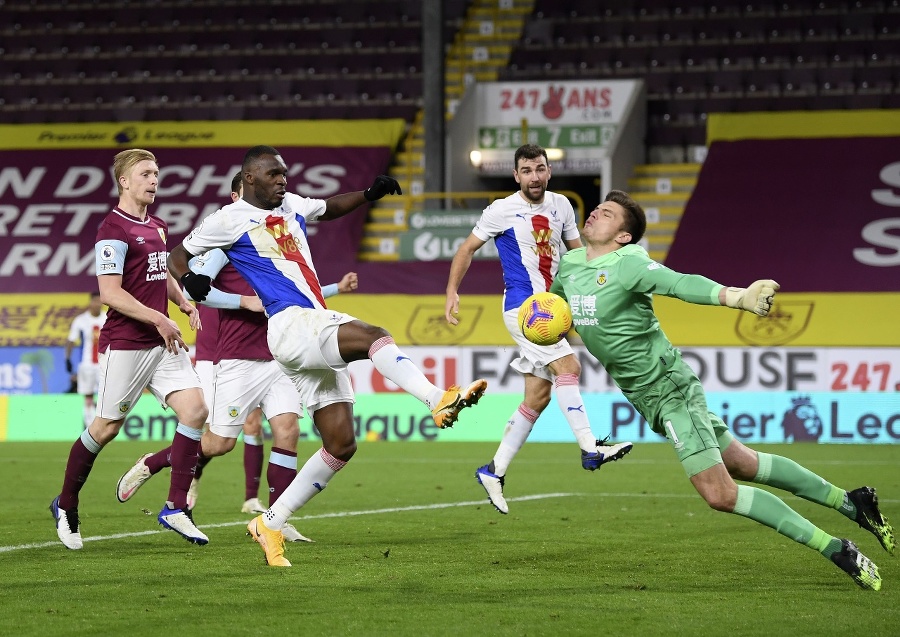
(182, 522)
(455, 400)
(291, 534)
(272, 542)
(858, 566)
(133, 479)
(68, 527)
(253, 505)
(593, 460)
(869, 517)
(493, 485)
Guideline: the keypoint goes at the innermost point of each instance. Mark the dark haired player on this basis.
(529, 228)
(614, 316)
(264, 236)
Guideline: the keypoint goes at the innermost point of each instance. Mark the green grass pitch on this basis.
(406, 544)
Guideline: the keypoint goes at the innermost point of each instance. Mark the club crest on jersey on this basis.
(602, 277)
(124, 407)
(162, 234)
(233, 412)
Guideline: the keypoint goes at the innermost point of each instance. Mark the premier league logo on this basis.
(801, 423)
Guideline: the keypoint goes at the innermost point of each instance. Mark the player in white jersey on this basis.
(529, 229)
(85, 331)
(264, 236)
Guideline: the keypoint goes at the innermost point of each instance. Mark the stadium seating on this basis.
(703, 56)
(194, 60)
(97, 61)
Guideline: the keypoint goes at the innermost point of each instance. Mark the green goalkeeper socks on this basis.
(784, 473)
(770, 510)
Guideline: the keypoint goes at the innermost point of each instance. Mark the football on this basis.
(545, 318)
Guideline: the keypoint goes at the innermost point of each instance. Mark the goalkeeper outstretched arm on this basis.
(756, 297)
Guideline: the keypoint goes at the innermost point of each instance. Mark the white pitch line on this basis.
(338, 514)
(347, 514)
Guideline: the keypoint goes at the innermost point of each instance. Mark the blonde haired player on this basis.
(140, 347)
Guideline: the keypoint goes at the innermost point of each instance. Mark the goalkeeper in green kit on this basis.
(609, 285)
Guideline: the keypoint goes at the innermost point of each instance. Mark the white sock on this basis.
(514, 436)
(311, 480)
(568, 395)
(88, 415)
(396, 367)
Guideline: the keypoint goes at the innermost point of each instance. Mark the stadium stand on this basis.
(309, 59)
(103, 61)
(703, 56)
(177, 60)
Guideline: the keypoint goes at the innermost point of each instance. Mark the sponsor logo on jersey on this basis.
(140, 240)
(107, 253)
(654, 266)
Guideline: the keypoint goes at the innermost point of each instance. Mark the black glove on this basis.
(68, 366)
(197, 285)
(383, 185)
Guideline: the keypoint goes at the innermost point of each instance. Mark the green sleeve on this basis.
(641, 274)
(557, 288)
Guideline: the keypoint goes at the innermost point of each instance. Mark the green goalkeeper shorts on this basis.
(675, 407)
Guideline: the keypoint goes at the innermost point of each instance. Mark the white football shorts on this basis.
(207, 373)
(533, 359)
(242, 386)
(305, 344)
(124, 374)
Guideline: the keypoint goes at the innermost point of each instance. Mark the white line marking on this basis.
(337, 514)
(347, 514)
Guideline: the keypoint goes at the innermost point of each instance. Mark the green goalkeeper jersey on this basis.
(612, 309)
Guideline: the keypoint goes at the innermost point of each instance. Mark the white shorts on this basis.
(207, 373)
(88, 378)
(124, 374)
(244, 385)
(533, 359)
(305, 344)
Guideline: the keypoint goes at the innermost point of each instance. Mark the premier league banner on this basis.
(753, 417)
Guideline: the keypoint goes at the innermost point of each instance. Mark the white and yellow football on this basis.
(545, 318)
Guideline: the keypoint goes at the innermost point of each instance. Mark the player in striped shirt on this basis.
(529, 229)
(264, 236)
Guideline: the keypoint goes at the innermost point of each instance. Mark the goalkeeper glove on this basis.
(197, 285)
(757, 297)
(68, 366)
(383, 185)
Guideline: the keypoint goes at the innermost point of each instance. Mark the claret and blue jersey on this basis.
(268, 247)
